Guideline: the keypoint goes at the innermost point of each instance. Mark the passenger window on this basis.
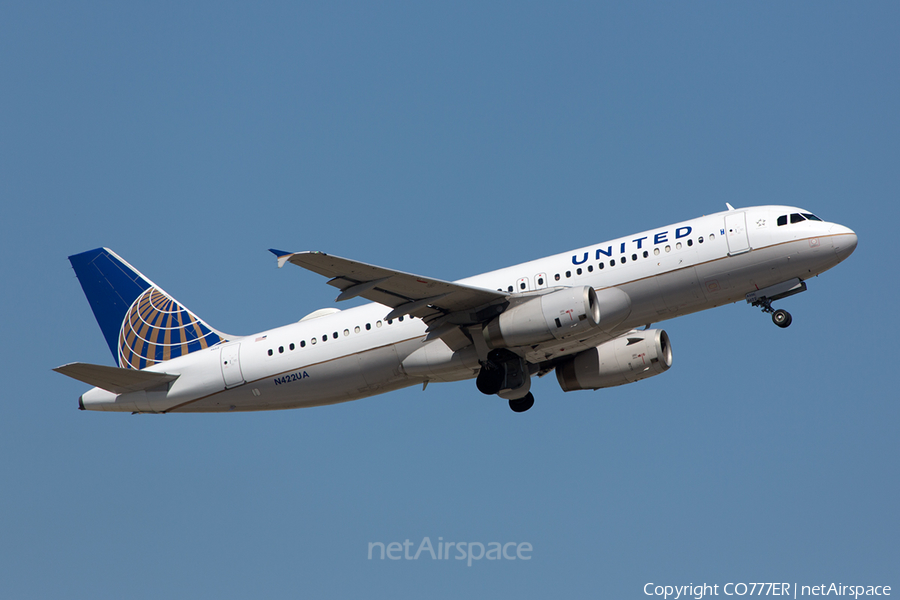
(522, 286)
(510, 289)
(590, 268)
(690, 243)
(578, 271)
(796, 218)
(346, 332)
(280, 349)
(540, 281)
(334, 335)
(668, 248)
(712, 236)
(356, 329)
(678, 246)
(782, 220)
(325, 338)
(568, 274)
(303, 343)
(612, 263)
(292, 346)
(646, 254)
(313, 341)
(556, 277)
(601, 265)
(377, 323)
(401, 319)
(368, 327)
(634, 257)
(700, 239)
(656, 252)
(270, 352)
(622, 260)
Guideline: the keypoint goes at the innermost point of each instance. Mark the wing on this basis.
(439, 303)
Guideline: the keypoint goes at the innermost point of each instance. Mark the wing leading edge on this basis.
(439, 303)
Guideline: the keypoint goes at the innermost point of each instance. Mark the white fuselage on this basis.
(347, 355)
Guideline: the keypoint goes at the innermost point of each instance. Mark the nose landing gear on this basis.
(764, 298)
(782, 318)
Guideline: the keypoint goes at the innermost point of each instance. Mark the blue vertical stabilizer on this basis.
(142, 324)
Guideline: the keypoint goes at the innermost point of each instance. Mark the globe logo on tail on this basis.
(157, 328)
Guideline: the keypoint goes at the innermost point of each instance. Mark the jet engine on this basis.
(634, 356)
(566, 313)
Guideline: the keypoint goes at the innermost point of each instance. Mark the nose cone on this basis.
(844, 241)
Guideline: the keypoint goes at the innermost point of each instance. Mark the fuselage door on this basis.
(230, 358)
(540, 281)
(736, 232)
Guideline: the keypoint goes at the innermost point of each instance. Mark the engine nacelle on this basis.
(567, 313)
(632, 357)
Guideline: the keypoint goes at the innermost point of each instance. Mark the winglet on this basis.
(281, 255)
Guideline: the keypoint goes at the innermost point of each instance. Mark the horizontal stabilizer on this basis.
(114, 379)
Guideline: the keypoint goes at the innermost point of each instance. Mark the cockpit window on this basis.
(797, 218)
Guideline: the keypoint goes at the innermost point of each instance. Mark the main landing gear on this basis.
(523, 403)
(506, 374)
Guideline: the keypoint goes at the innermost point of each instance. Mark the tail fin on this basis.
(142, 324)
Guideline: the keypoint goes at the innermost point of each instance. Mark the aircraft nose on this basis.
(844, 241)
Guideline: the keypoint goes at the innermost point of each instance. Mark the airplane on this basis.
(585, 314)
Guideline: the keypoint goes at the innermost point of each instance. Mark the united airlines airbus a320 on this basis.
(585, 314)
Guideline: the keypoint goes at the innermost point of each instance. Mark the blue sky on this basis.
(446, 140)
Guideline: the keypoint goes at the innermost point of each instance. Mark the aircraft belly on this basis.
(679, 288)
(436, 361)
(315, 385)
(378, 367)
(646, 301)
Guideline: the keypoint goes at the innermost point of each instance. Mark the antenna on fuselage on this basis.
(730, 207)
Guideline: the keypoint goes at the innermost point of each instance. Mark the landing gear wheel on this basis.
(523, 403)
(782, 318)
(489, 380)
